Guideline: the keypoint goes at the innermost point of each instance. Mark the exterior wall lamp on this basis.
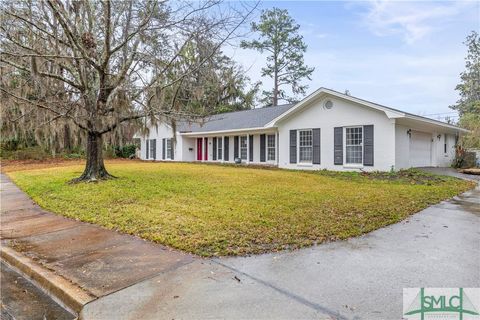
(409, 133)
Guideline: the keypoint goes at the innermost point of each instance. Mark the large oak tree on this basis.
(99, 64)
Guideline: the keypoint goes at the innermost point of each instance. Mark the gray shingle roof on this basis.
(254, 118)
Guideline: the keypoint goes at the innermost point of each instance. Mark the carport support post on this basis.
(393, 159)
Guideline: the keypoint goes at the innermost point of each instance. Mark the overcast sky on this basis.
(406, 55)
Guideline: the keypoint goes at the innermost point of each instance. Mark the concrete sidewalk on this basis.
(97, 260)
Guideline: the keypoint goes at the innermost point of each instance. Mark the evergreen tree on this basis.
(278, 36)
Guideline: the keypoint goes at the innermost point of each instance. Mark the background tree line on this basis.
(77, 76)
(87, 72)
(468, 106)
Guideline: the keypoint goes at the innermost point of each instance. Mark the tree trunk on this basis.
(275, 78)
(67, 140)
(95, 168)
(275, 89)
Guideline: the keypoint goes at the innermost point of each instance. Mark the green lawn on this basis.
(224, 210)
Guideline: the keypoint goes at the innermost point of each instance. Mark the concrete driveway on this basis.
(361, 278)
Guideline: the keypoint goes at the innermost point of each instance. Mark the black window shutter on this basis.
(173, 148)
(368, 145)
(225, 148)
(262, 148)
(250, 148)
(214, 148)
(154, 141)
(293, 146)
(164, 148)
(338, 145)
(235, 147)
(316, 146)
(205, 151)
(148, 147)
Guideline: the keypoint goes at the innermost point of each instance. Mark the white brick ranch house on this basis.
(326, 130)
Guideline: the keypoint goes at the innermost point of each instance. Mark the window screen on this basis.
(305, 145)
(354, 145)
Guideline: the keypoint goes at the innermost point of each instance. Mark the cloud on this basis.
(407, 80)
(411, 20)
(321, 35)
(310, 29)
(419, 78)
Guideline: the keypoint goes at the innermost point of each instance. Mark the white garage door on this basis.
(420, 149)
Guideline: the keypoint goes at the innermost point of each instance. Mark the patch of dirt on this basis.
(21, 165)
(411, 176)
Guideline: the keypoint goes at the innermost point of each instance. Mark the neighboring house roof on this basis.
(246, 119)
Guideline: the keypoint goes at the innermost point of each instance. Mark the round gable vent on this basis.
(328, 104)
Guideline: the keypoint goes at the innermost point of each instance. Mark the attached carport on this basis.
(422, 142)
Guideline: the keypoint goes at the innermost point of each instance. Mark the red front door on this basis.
(206, 148)
(199, 149)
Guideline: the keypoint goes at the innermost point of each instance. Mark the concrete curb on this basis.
(61, 290)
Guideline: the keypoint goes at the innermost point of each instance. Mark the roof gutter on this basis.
(435, 122)
(223, 131)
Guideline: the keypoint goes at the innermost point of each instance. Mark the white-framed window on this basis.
(243, 147)
(169, 148)
(271, 147)
(305, 146)
(151, 147)
(219, 148)
(354, 145)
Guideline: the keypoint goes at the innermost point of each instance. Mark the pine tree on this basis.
(279, 37)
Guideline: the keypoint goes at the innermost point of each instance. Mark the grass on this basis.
(213, 210)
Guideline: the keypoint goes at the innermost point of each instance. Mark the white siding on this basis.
(343, 113)
(402, 148)
(188, 147)
(437, 157)
(444, 159)
(159, 133)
